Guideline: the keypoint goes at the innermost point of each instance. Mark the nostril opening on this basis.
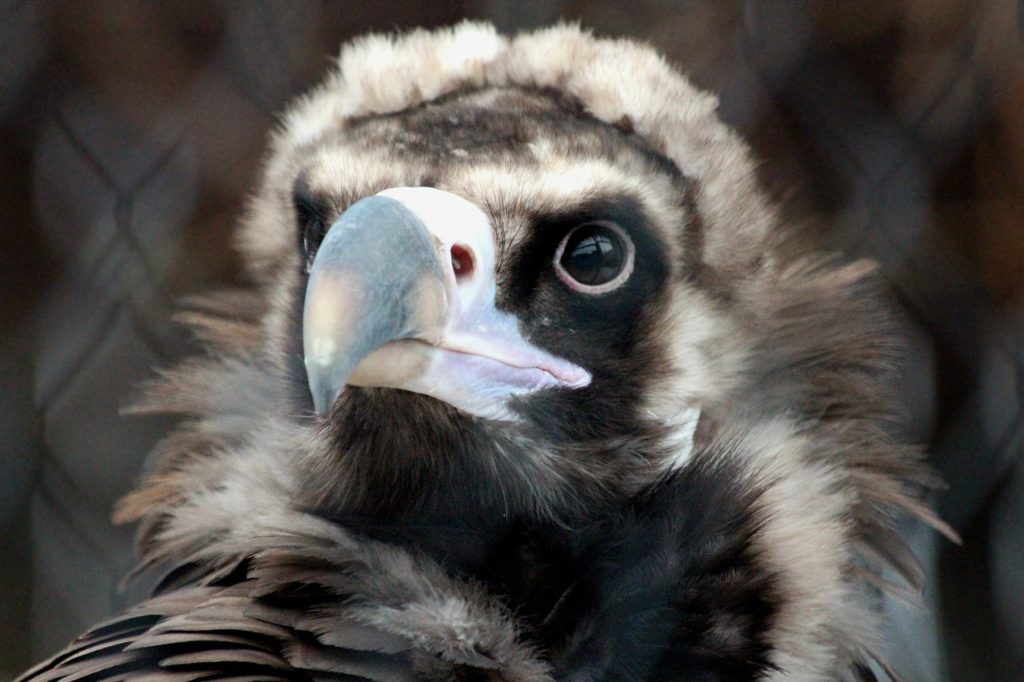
(462, 262)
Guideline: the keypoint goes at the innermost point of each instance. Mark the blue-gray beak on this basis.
(401, 294)
(376, 278)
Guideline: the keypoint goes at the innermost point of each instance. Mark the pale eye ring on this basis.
(595, 257)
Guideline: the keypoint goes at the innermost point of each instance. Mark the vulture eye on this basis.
(311, 211)
(309, 247)
(595, 257)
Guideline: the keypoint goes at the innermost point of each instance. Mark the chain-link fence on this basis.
(131, 132)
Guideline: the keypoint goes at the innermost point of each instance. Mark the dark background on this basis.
(130, 133)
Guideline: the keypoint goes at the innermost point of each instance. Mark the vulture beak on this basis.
(401, 295)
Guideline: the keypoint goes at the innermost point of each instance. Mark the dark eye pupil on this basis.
(311, 238)
(593, 255)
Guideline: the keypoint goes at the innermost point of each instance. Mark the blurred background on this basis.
(131, 131)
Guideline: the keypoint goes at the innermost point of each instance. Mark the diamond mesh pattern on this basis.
(131, 132)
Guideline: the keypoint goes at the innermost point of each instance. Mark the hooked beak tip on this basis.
(324, 397)
(325, 384)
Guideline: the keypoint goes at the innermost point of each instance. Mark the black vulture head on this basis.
(530, 283)
(503, 283)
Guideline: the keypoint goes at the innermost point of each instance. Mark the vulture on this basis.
(531, 384)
